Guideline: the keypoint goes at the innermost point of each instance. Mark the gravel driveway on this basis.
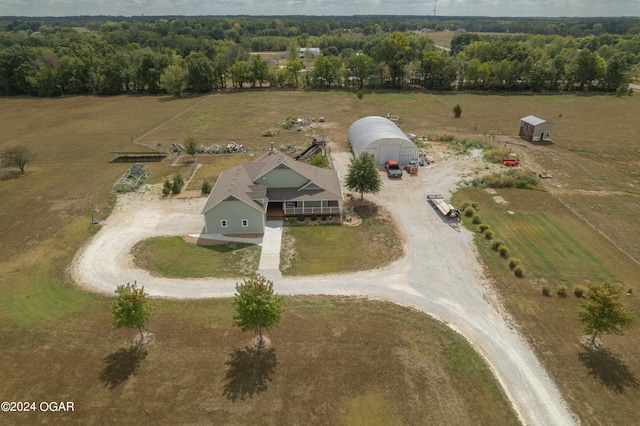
(440, 275)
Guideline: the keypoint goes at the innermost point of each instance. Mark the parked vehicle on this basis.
(412, 167)
(446, 209)
(393, 169)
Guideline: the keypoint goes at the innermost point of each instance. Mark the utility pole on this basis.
(435, 4)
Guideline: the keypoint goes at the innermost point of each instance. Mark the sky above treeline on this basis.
(492, 8)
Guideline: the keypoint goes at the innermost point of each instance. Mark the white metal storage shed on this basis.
(383, 139)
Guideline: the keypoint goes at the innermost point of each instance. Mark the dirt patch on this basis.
(597, 345)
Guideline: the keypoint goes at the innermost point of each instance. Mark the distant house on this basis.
(535, 129)
(306, 51)
(274, 186)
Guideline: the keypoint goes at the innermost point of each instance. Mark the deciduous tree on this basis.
(174, 79)
(603, 311)
(191, 147)
(359, 67)
(257, 306)
(363, 175)
(132, 308)
(18, 156)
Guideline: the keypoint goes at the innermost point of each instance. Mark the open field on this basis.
(45, 213)
(557, 249)
(331, 361)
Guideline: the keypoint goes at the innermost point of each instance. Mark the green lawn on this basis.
(328, 249)
(173, 257)
(556, 248)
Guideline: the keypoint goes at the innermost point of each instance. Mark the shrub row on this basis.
(563, 290)
(302, 218)
(470, 210)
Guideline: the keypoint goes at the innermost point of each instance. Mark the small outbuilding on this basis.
(535, 129)
(383, 139)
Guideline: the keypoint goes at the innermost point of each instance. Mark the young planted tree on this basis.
(603, 311)
(191, 147)
(18, 156)
(132, 308)
(363, 175)
(457, 111)
(256, 305)
(206, 187)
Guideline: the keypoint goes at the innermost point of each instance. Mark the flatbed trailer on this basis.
(446, 209)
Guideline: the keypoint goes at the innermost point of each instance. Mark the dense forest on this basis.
(114, 55)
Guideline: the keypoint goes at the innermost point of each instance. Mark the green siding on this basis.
(283, 178)
(233, 212)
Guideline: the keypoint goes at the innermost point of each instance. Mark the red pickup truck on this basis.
(393, 169)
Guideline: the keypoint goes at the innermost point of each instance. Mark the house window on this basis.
(224, 223)
(245, 223)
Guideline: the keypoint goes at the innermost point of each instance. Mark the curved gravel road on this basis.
(440, 275)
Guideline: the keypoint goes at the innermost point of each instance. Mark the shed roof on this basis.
(371, 129)
(533, 120)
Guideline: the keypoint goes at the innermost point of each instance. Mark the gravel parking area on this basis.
(440, 275)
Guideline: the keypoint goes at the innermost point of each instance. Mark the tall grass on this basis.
(510, 178)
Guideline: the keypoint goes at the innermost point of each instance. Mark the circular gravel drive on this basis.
(440, 275)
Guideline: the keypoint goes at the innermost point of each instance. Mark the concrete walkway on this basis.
(270, 256)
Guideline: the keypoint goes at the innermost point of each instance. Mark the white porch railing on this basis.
(294, 211)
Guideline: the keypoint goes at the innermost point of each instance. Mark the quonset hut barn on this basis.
(381, 138)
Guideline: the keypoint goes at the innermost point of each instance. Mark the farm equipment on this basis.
(412, 167)
(318, 144)
(510, 162)
(446, 209)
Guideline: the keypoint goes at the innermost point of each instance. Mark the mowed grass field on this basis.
(556, 248)
(332, 361)
(45, 213)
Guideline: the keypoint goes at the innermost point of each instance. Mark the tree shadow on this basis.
(122, 364)
(249, 372)
(6, 174)
(610, 370)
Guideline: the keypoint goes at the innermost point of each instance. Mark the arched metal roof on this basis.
(371, 129)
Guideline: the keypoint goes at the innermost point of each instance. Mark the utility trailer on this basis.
(446, 209)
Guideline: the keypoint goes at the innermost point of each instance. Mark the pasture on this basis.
(45, 213)
(556, 249)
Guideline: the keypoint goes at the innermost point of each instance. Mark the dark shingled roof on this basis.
(239, 183)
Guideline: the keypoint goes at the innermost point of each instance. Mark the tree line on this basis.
(199, 55)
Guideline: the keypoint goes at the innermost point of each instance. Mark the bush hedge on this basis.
(518, 271)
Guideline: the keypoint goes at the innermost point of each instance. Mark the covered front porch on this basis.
(308, 208)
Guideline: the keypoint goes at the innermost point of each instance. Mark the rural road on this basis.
(440, 275)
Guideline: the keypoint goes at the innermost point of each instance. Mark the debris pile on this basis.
(229, 148)
(293, 123)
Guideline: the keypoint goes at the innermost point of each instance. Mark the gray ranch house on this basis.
(273, 187)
